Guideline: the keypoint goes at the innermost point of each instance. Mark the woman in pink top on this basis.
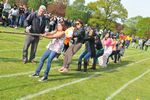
(53, 49)
(107, 44)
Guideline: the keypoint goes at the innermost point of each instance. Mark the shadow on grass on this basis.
(10, 59)
(111, 68)
(18, 86)
(74, 75)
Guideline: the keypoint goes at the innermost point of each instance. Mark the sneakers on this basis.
(37, 76)
(34, 75)
(43, 79)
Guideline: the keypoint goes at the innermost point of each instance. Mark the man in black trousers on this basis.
(35, 23)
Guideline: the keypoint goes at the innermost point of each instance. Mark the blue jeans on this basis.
(50, 55)
(86, 55)
(21, 20)
(13, 20)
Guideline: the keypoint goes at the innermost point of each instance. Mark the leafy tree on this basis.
(24, 1)
(107, 12)
(11, 2)
(34, 4)
(79, 4)
(138, 26)
(44, 2)
(130, 25)
(143, 27)
(77, 11)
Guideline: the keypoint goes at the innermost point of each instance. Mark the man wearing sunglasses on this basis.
(78, 40)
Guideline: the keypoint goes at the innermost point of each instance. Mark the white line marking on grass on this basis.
(25, 73)
(127, 84)
(17, 74)
(57, 87)
(70, 83)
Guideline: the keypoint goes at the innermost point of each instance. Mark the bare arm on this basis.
(56, 35)
(51, 33)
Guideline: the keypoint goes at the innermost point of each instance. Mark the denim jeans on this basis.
(13, 20)
(21, 20)
(50, 55)
(86, 55)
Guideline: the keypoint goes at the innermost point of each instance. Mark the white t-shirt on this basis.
(14, 12)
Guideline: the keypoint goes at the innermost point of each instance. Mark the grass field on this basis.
(128, 80)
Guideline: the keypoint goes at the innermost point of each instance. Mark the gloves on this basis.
(28, 29)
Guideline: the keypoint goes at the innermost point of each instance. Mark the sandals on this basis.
(64, 70)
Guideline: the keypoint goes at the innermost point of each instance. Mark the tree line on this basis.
(103, 14)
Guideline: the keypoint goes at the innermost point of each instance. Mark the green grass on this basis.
(97, 88)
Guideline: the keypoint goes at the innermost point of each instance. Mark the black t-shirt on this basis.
(21, 11)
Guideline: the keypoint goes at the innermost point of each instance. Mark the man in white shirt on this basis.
(14, 12)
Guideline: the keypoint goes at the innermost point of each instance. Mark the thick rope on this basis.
(18, 33)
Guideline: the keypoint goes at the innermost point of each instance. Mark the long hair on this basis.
(63, 26)
(81, 22)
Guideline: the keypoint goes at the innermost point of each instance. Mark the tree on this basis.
(107, 12)
(138, 26)
(130, 25)
(24, 1)
(143, 27)
(11, 2)
(79, 4)
(57, 8)
(44, 2)
(34, 4)
(77, 10)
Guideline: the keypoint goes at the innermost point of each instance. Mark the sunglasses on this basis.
(77, 23)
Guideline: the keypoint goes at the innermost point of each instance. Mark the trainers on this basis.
(43, 79)
(34, 75)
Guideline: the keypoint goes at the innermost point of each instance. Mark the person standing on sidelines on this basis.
(13, 13)
(5, 13)
(1, 8)
(34, 23)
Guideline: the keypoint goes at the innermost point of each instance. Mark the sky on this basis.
(137, 7)
(134, 7)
